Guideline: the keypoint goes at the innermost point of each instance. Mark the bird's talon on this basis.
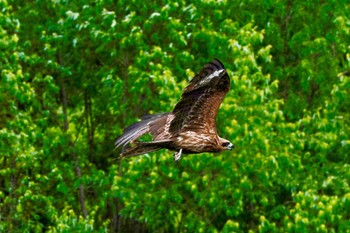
(177, 155)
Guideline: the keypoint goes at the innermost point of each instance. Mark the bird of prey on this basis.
(190, 128)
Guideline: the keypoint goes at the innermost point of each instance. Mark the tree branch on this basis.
(71, 144)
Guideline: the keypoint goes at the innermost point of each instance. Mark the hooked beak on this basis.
(231, 146)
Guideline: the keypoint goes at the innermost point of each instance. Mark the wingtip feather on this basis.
(218, 63)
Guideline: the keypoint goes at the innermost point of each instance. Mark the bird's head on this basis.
(226, 144)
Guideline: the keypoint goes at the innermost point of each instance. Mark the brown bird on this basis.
(190, 128)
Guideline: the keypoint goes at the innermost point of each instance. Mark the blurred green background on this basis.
(75, 73)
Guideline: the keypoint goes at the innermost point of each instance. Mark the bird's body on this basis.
(190, 128)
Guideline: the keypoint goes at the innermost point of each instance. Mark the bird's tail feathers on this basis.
(143, 147)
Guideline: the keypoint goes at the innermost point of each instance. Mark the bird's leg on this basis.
(177, 155)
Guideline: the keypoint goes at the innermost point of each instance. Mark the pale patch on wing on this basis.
(207, 79)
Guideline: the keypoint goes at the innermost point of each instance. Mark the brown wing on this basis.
(201, 100)
(157, 125)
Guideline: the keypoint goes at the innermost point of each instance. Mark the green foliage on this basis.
(75, 73)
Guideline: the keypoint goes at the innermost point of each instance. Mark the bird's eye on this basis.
(225, 144)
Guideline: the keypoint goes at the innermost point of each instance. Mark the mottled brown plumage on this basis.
(190, 128)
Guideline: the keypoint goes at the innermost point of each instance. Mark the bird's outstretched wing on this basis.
(201, 100)
(157, 125)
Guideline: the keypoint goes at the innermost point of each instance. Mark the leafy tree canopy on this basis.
(75, 73)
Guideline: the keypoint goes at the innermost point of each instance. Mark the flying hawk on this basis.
(190, 128)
